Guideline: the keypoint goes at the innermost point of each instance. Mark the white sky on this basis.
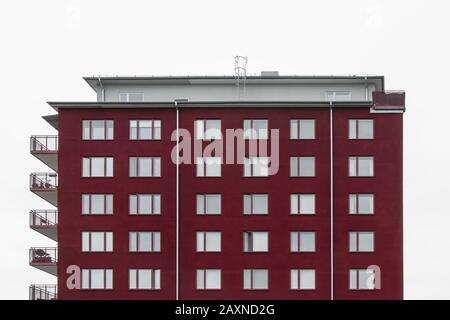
(47, 46)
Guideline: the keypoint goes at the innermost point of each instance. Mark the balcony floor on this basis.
(50, 158)
(48, 231)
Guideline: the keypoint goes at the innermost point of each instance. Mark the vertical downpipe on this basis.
(177, 223)
(331, 204)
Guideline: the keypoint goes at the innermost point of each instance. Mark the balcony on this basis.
(45, 222)
(389, 100)
(45, 148)
(43, 292)
(44, 259)
(45, 186)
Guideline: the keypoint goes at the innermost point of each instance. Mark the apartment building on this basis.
(306, 204)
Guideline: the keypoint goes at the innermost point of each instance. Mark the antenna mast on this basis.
(240, 74)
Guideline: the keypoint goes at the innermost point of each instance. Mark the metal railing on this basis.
(43, 292)
(43, 255)
(40, 218)
(44, 143)
(43, 180)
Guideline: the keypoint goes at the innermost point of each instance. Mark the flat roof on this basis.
(93, 81)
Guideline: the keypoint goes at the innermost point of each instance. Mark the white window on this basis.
(360, 166)
(208, 279)
(361, 242)
(143, 241)
(302, 166)
(209, 166)
(208, 203)
(256, 204)
(303, 129)
(208, 130)
(256, 129)
(145, 166)
(303, 279)
(338, 96)
(142, 204)
(361, 203)
(256, 279)
(303, 241)
(97, 279)
(360, 129)
(256, 241)
(208, 241)
(144, 279)
(256, 167)
(98, 129)
(97, 241)
(145, 129)
(97, 204)
(303, 204)
(361, 279)
(131, 97)
(97, 167)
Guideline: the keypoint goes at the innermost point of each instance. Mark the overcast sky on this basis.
(47, 46)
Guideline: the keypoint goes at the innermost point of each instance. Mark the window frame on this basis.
(357, 282)
(357, 206)
(153, 236)
(299, 201)
(106, 168)
(153, 281)
(357, 129)
(105, 279)
(153, 201)
(251, 278)
(152, 164)
(154, 129)
(203, 237)
(105, 242)
(105, 204)
(203, 165)
(357, 169)
(204, 201)
(251, 198)
(128, 96)
(205, 275)
(299, 242)
(357, 244)
(299, 281)
(249, 247)
(298, 123)
(91, 131)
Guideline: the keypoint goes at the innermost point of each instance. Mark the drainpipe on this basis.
(367, 89)
(331, 204)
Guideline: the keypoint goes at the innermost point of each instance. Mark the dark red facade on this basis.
(386, 222)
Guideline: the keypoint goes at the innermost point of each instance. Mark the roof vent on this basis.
(269, 74)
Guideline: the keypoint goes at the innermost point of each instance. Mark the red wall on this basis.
(387, 221)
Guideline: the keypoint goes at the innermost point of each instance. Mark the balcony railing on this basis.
(45, 222)
(43, 255)
(43, 181)
(44, 144)
(43, 218)
(43, 292)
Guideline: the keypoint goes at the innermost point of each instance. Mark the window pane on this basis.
(307, 242)
(352, 198)
(109, 167)
(145, 241)
(97, 204)
(86, 130)
(97, 241)
(366, 279)
(260, 167)
(247, 129)
(157, 277)
(213, 204)
(352, 166)
(133, 130)
(353, 279)
(85, 284)
(157, 129)
(213, 129)
(260, 204)
(200, 204)
(133, 241)
(199, 129)
(307, 129)
(307, 166)
(212, 241)
(353, 241)
(213, 166)
(145, 167)
(365, 242)
(97, 279)
(213, 279)
(294, 167)
(294, 242)
(260, 241)
(86, 167)
(109, 129)
(109, 204)
(307, 204)
(352, 129)
(145, 203)
(260, 279)
(133, 167)
(294, 129)
(98, 167)
(247, 167)
(85, 203)
(133, 204)
(365, 129)
(365, 166)
(365, 203)
(156, 204)
(132, 275)
(294, 204)
(145, 130)
(98, 129)
(144, 276)
(200, 279)
(247, 279)
(200, 241)
(109, 279)
(200, 167)
(307, 279)
(247, 204)
(261, 129)
(109, 241)
(294, 279)
(157, 241)
(85, 241)
(136, 97)
(157, 167)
